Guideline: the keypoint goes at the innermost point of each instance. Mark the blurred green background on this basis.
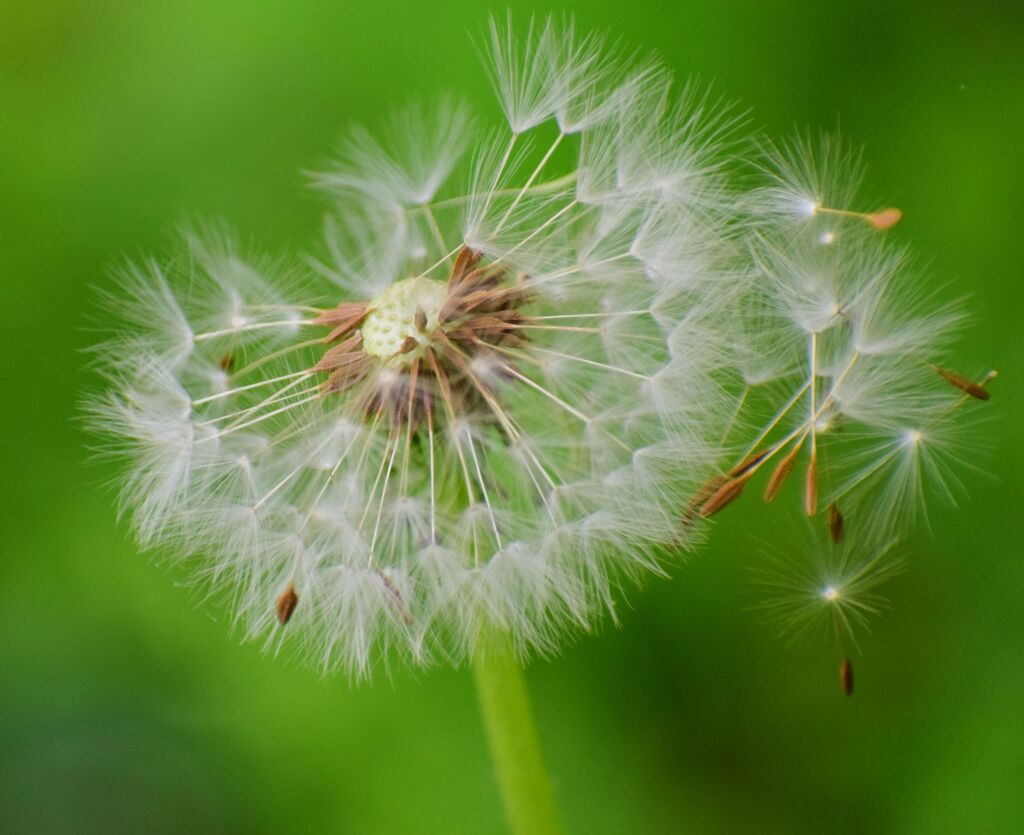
(125, 708)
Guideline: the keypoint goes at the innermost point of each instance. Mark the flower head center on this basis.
(425, 347)
(402, 318)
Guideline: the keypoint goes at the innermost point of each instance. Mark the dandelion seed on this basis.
(723, 496)
(811, 486)
(286, 603)
(780, 473)
(748, 464)
(835, 523)
(881, 220)
(976, 390)
(708, 489)
(884, 219)
(846, 676)
(827, 585)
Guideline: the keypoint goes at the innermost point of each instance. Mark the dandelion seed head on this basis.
(490, 404)
(507, 379)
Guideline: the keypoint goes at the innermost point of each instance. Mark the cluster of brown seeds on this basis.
(722, 490)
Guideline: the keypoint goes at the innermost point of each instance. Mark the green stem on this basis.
(515, 750)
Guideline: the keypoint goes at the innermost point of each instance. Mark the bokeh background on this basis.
(125, 708)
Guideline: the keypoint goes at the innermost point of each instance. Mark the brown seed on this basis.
(486, 278)
(342, 318)
(493, 300)
(340, 354)
(408, 344)
(747, 464)
(346, 377)
(226, 362)
(846, 676)
(464, 263)
(421, 320)
(286, 604)
(346, 364)
(811, 486)
(779, 474)
(835, 523)
(965, 385)
(884, 219)
(724, 496)
(706, 491)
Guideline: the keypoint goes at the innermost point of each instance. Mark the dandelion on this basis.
(526, 363)
(490, 405)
